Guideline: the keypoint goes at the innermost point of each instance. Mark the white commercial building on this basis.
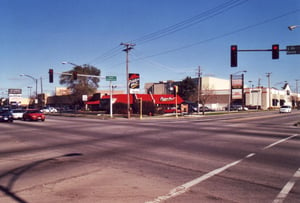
(220, 93)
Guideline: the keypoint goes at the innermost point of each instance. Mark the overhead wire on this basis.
(221, 8)
(225, 34)
(190, 21)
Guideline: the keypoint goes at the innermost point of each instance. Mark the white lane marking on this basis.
(280, 141)
(185, 187)
(287, 188)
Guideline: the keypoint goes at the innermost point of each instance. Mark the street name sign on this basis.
(293, 49)
(111, 78)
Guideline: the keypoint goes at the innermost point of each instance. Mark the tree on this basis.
(187, 88)
(83, 85)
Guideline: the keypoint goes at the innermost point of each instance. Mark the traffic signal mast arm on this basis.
(82, 75)
(249, 50)
(51, 73)
(275, 52)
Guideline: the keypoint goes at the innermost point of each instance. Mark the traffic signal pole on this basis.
(234, 49)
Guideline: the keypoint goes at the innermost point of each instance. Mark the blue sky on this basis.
(39, 34)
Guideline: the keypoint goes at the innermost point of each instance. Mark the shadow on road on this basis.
(14, 174)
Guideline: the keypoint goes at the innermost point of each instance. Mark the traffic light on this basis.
(74, 75)
(275, 51)
(233, 54)
(51, 75)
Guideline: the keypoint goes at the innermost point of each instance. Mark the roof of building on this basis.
(155, 98)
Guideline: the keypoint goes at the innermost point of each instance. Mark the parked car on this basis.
(17, 113)
(6, 116)
(237, 108)
(33, 115)
(49, 110)
(205, 109)
(172, 110)
(285, 109)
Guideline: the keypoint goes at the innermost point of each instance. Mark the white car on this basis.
(285, 109)
(49, 110)
(17, 113)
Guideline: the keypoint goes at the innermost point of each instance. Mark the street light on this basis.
(29, 87)
(292, 27)
(36, 83)
(67, 62)
(242, 71)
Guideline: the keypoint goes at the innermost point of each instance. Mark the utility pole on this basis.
(199, 87)
(127, 48)
(269, 82)
(297, 86)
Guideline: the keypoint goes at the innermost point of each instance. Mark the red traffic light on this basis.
(275, 51)
(233, 55)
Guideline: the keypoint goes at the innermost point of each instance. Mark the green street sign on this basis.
(111, 78)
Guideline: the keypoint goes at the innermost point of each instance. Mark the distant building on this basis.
(219, 93)
(60, 91)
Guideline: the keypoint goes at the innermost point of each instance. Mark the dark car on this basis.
(33, 115)
(236, 107)
(206, 109)
(6, 116)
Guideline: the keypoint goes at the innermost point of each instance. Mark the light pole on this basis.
(36, 83)
(297, 86)
(67, 62)
(293, 27)
(269, 82)
(29, 87)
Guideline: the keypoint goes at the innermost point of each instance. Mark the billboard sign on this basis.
(14, 91)
(134, 83)
(237, 87)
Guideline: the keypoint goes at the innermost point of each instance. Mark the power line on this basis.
(190, 21)
(176, 27)
(226, 34)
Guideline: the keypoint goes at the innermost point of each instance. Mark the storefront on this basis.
(161, 101)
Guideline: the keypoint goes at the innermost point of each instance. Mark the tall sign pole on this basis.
(128, 47)
(110, 79)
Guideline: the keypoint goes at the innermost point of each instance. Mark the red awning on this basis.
(155, 98)
(93, 102)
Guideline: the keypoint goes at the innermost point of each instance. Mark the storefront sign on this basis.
(134, 82)
(166, 99)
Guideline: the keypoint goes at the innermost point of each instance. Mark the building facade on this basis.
(219, 94)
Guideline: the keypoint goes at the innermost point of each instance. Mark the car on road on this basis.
(48, 110)
(17, 113)
(6, 116)
(236, 107)
(33, 115)
(285, 109)
(205, 109)
(172, 110)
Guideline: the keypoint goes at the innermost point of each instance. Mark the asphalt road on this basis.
(249, 157)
